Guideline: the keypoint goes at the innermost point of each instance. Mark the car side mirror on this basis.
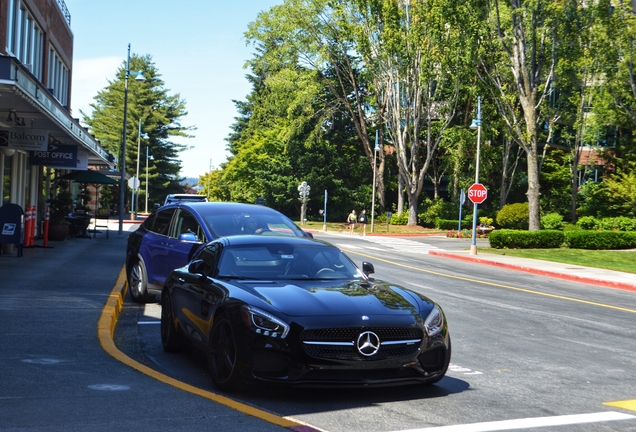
(188, 238)
(367, 268)
(196, 267)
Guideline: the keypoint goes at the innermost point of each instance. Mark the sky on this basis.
(197, 46)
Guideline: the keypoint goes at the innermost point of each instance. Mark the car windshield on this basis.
(238, 223)
(286, 262)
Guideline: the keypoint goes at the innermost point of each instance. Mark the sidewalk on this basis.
(575, 273)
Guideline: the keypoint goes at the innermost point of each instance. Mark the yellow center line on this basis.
(626, 404)
(572, 299)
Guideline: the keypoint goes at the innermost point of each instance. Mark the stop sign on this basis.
(477, 193)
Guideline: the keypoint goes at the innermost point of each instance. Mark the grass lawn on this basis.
(379, 228)
(624, 261)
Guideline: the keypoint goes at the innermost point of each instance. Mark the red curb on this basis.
(573, 278)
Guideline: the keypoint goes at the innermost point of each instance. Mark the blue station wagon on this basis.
(169, 238)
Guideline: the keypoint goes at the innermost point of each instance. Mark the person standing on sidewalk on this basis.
(351, 219)
(363, 222)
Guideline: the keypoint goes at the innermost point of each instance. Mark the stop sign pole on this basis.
(476, 124)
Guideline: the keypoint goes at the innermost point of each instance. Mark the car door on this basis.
(179, 252)
(196, 297)
(154, 248)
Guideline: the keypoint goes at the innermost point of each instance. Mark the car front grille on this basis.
(360, 375)
(340, 343)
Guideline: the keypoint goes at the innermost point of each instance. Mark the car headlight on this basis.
(264, 323)
(434, 322)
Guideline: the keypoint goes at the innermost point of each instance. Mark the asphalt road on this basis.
(528, 350)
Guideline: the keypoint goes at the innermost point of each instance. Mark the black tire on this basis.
(170, 339)
(138, 283)
(438, 378)
(223, 356)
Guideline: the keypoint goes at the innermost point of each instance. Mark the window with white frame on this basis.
(58, 77)
(25, 39)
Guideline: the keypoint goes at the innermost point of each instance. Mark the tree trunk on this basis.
(400, 204)
(533, 194)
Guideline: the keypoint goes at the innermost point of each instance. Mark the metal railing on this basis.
(64, 10)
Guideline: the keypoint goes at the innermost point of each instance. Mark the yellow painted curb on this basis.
(106, 330)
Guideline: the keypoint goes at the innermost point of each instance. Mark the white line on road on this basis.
(530, 423)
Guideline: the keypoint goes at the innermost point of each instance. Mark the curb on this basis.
(105, 333)
(573, 278)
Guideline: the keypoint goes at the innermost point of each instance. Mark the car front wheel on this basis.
(222, 355)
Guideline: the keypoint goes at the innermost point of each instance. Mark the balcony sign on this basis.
(24, 139)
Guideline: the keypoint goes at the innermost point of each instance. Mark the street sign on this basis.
(134, 182)
(477, 193)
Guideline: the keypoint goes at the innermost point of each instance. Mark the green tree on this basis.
(160, 114)
(517, 60)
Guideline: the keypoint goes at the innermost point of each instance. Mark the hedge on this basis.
(546, 239)
(514, 239)
(600, 240)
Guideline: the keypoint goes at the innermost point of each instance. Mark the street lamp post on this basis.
(138, 183)
(375, 155)
(122, 166)
(146, 179)
(476, 124)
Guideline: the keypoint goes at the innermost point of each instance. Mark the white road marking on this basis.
(403, 245)
(109, 387)
(530, 423)
(460, 369)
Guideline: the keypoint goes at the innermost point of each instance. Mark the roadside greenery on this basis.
(327, 76)
(610, 260)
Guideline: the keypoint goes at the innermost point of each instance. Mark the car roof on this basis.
(246, 240)
(223, 207)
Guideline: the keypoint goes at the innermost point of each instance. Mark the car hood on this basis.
(314, 298)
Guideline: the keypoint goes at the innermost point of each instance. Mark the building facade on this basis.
(39, 138)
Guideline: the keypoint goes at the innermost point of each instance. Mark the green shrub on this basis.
(514, 239)
(620, 223)
(552, 221)
(570, 227)
(436, 209)
(402, 219)
(600, 240)
(588, 223)
(513, 216)
(485, 221)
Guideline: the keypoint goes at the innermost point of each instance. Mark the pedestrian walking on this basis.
(363, 221)
(351, 219)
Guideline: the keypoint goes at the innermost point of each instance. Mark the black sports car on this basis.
(298, 311)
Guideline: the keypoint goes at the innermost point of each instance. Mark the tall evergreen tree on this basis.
(160, 114)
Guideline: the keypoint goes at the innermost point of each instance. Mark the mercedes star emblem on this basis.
(368, 343)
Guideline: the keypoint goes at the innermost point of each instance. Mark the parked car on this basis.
(171, 235)
(174, 198)
(297, 311)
